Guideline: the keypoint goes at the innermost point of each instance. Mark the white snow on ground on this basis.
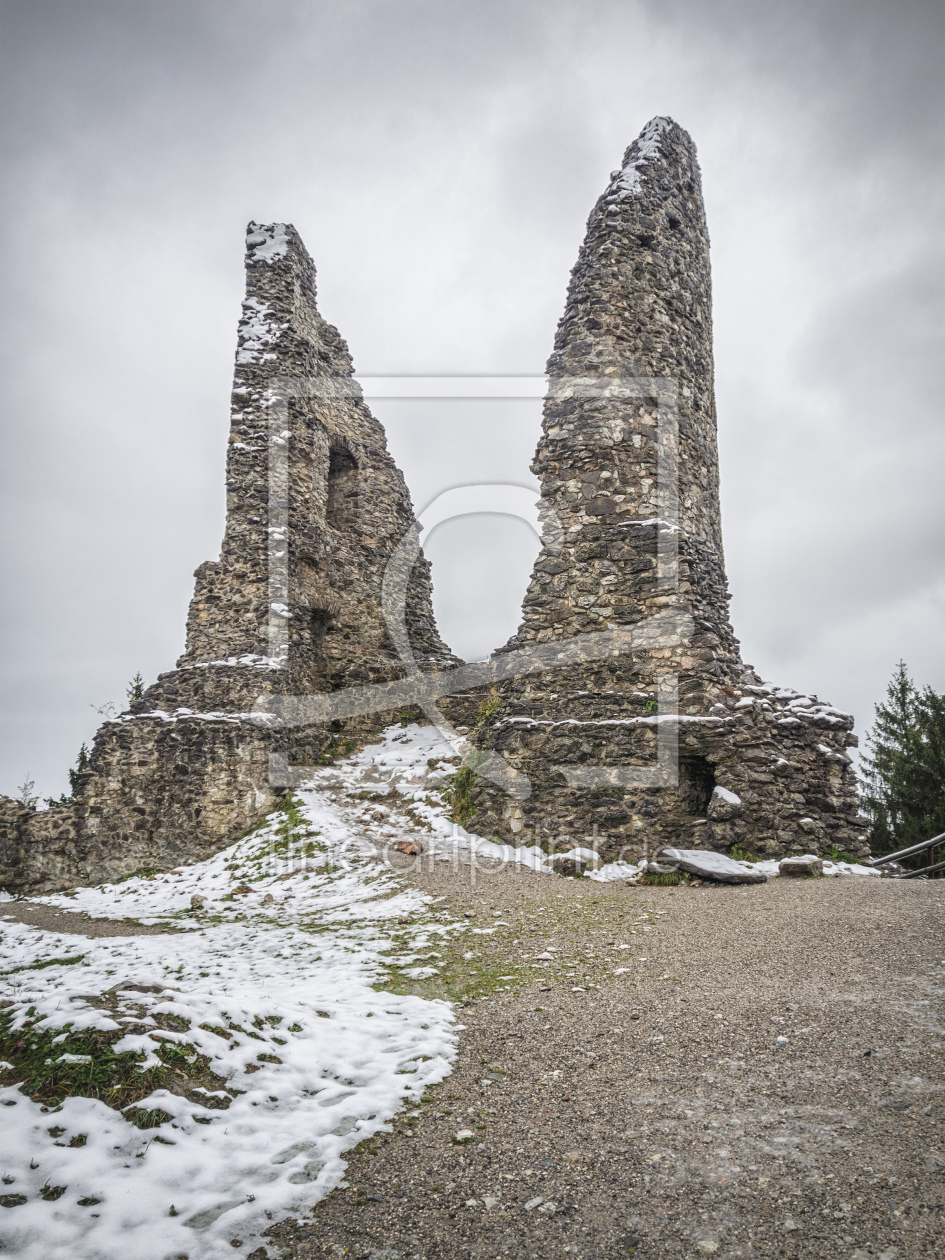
(248, 659)
(627, 871)
(770, 868)
(292, 981)
(611, 871)
(322, 921)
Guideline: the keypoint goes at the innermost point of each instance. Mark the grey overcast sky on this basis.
(440, 160)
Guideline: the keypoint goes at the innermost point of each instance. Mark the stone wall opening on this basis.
(696, 785)
(342, 504)
(319, 622)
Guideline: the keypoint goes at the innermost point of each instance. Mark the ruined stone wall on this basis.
(316, 511)
(293, 606)
(347, 505)
(630, 498)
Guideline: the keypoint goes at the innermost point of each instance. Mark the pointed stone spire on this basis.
(640, 302)
(315, 504)
(672, 740)
(629, 433)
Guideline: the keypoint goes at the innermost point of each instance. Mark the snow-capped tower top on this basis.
(640, 303)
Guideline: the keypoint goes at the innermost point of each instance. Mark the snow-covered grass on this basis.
(172, 1093)
(274, 992)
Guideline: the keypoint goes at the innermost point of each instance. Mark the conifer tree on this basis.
(76, 775)
(76, 780)
(903, 774)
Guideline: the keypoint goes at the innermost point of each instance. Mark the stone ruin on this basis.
(619, 715)
(628, 461)
(315, 508)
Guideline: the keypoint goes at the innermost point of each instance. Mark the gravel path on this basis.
(49, 919)
(656, 1109)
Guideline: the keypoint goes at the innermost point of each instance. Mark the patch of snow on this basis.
(582, 855)
(647, 146)
(850, 868)
(725, 795)
(611, 871)
(248, 659)
(670, 526)
(182, 714)
(770, 868)
(322, 1086)
(257, 331)
(653, 719)
(268, 241)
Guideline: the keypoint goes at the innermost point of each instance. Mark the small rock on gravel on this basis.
(809, 864)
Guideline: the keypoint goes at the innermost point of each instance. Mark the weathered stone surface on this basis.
(316, 513)
(315, 510)
(705, 864)
(805, 864)
(760, 767)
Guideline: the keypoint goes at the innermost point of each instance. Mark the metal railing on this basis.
(919, 872)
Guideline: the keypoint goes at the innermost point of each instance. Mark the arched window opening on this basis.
(342, 506)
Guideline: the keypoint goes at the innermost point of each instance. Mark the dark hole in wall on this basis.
(342, 505)
(319, 621)
(696, 785)
(313, 640)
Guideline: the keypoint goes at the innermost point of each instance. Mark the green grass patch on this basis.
(52, 962)
(410, 716)
(458, 795)
(490, 706)
(585, 929)
(834, 854)
(115, 1079)
(738, 854)
(145, 873)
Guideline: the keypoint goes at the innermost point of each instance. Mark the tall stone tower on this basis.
(315, 509)
(676, 741)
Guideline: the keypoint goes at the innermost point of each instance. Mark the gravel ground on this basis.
(656, 1109)
(49, 919)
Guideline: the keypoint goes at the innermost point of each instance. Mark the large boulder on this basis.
(705, 864)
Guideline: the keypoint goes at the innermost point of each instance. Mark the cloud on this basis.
(440, 160)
